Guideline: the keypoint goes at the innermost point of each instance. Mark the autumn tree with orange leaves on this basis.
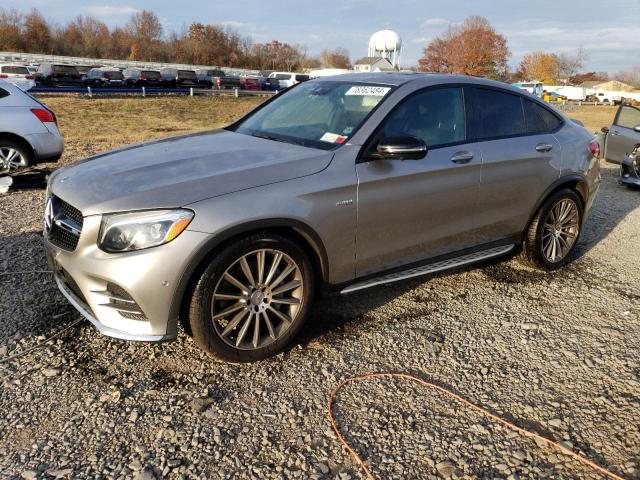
(472, 48)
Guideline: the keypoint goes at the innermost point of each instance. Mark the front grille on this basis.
(70, 211)
(65, 224)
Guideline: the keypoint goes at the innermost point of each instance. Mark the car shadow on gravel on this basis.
(612, 205)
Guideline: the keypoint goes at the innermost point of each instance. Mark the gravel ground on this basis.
(558, 353)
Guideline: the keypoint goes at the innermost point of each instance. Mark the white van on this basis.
(288, 79)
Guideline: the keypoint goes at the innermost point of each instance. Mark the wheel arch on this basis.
(12, 137)
(305, 236)
(575, 182)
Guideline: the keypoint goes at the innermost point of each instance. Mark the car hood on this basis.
(177, 171)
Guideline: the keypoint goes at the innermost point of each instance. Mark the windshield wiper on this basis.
(266, 136)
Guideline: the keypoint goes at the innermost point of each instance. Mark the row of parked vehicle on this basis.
(65, 75)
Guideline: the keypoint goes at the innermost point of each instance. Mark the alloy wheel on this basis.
(10, 159)
(257, 299)
(560, 230)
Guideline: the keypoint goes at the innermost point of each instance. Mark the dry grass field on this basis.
(93, 125)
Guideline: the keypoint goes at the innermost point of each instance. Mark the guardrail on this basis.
(146, 92)
(42, 58)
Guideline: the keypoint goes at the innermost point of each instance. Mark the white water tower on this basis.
(386, 44)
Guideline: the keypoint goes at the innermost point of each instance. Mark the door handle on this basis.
(462, 157)
(614, 132)
(544, 147)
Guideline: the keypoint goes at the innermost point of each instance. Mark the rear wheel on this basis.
(252, 299)
(554, 231)
(14, 155)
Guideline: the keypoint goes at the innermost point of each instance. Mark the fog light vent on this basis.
(120, 300)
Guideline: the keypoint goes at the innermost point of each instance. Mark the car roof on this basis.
(418, 78)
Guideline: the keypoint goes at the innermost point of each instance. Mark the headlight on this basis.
(125, 232)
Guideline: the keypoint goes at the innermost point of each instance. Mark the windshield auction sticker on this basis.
(333, 138)
(368, 90)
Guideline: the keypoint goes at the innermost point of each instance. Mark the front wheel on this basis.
(553, 233)
(252, 299)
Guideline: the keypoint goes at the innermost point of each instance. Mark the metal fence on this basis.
(38, 58)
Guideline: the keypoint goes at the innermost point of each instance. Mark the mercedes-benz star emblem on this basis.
(48, 215)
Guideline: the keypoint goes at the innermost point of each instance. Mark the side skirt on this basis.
(438, 266)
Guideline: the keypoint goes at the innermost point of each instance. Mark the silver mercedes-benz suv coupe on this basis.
(340, 183)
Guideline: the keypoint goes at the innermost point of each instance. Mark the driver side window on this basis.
(628, 117)
(434, 116)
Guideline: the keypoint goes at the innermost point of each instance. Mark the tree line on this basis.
(476, 48)
(143, 38)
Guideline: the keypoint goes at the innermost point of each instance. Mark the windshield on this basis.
(320, 114)
(113, 75)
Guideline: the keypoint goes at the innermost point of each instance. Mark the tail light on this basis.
(594, 148)
(4, 75)
(142, 78)
(29, 77)
(218, 82)
(45, 116)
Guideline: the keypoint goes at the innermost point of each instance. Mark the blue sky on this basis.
(607, 31)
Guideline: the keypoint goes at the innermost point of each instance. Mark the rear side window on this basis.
(66, 69)
(3, 93)
(628, 117)
(434, 116)
(15, 69)
(539, 119)
(496, 114)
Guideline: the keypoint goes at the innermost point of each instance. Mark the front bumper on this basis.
(96, 282)
(629, 174)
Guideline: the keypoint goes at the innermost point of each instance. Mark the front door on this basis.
(623, 136)
(410, 210)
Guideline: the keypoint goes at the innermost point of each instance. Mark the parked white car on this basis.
(288, 79)
(19, 75)
(28, 130)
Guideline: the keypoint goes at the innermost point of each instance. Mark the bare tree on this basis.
(337, 58)
(570, 64)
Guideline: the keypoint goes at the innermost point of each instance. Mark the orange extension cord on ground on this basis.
(483, 411)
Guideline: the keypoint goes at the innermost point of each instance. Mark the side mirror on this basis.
(401, 148)
(636, 128)
(604, 129)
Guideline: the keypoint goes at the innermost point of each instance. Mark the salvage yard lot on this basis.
(558, 353)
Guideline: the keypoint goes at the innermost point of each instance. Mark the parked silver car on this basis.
(28, 130)
(339, 183)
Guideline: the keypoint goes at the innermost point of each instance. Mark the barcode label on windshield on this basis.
(368, 90)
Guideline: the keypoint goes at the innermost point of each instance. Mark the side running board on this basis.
(431, 268)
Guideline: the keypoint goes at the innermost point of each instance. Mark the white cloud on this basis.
(435, 23)
(234, 24)
(111, 11)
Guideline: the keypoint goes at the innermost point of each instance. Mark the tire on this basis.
(232, 336)
(16, 153)
(538, 250)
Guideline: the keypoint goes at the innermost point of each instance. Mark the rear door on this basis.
(411, 210)
(520, 159)
(622, 137)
